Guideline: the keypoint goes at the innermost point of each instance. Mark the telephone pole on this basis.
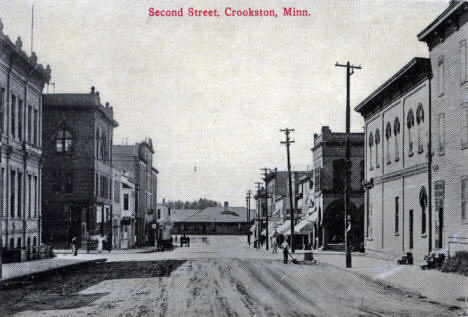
(288, 142)
(249, 194)
(265, 173)
(347, 216)
(259, 212)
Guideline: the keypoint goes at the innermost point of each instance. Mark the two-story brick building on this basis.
(329, 163)
(22, 80)
(397, 119)
(446, 38)
(77, 174)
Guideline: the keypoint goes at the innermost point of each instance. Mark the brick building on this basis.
(447, 38)
(22, 80)
(137, 159)
(396, 175)
(77, 174)
(328, 183)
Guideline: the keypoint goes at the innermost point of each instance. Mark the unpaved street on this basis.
(224, 278)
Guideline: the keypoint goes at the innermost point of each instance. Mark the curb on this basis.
(22, 280)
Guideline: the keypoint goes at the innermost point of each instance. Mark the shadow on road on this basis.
(60, 291)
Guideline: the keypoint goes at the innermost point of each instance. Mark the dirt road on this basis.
(214, 285)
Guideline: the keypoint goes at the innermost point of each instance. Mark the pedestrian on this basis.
(285, 247)
(101, 240)
(274, 244)
(74, 246)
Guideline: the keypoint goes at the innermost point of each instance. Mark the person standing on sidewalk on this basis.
(74, 246)
(285, 247)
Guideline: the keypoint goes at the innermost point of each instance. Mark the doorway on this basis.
(411, 231)
(439, 225)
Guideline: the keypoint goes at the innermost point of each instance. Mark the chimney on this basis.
(92, 90)
(226, 206)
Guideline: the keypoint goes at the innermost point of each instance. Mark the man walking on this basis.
(274, 243)
(285, 247)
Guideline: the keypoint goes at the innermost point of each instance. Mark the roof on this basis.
(123, 150)
(89, 100)
(417, 66)
(454, 6)
(210, 215)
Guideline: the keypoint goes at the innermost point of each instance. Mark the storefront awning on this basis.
(271, 229)
(304, 227)
(252, 229)
(284, 228)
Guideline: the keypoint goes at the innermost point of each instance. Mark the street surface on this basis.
(224, 278)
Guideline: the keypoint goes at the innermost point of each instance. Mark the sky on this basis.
(213, 93)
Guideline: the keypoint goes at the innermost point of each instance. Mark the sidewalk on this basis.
(23, 271)
(116, 251)
(437, 286)
(444, 288)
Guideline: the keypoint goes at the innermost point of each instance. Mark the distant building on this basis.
(138, 160)
(116, 208)
(77, 174)
(22, 80)
(128, 208)
(210, 221)
(329, 180)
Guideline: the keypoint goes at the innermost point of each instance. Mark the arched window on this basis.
(371, 144)
(410, 124)
(423, 203)
(420, 121)
(388, 136)
(64, 141)
(396, 132)
(377, 142)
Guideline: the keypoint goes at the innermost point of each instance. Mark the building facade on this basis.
(446, 38)
(22, 80)
(328, 185)
(127, 210)
(116, 208)
(78, 178)
(137, 159)
(396, 174)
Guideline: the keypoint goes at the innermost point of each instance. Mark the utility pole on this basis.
(259, 219)
(249, 195)
(288, 142)
(265, 174)
(347, 215)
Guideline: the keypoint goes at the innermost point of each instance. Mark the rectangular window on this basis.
(440, 76)
(29, 195)
(397, 214)
(98, 214)
(20, 190)
(464, 124)
(2, 110)
(126, 198)
(441, 133)
(117, 192)
(464, 198)
(29, 123)
(97, 185)
(2, 186)
(318, 172)
(13, 115)
(20, 119)
(12, 193)
(36, 127)
(462, 61)
(36, 197)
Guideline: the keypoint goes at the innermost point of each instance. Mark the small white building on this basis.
(127, 222)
